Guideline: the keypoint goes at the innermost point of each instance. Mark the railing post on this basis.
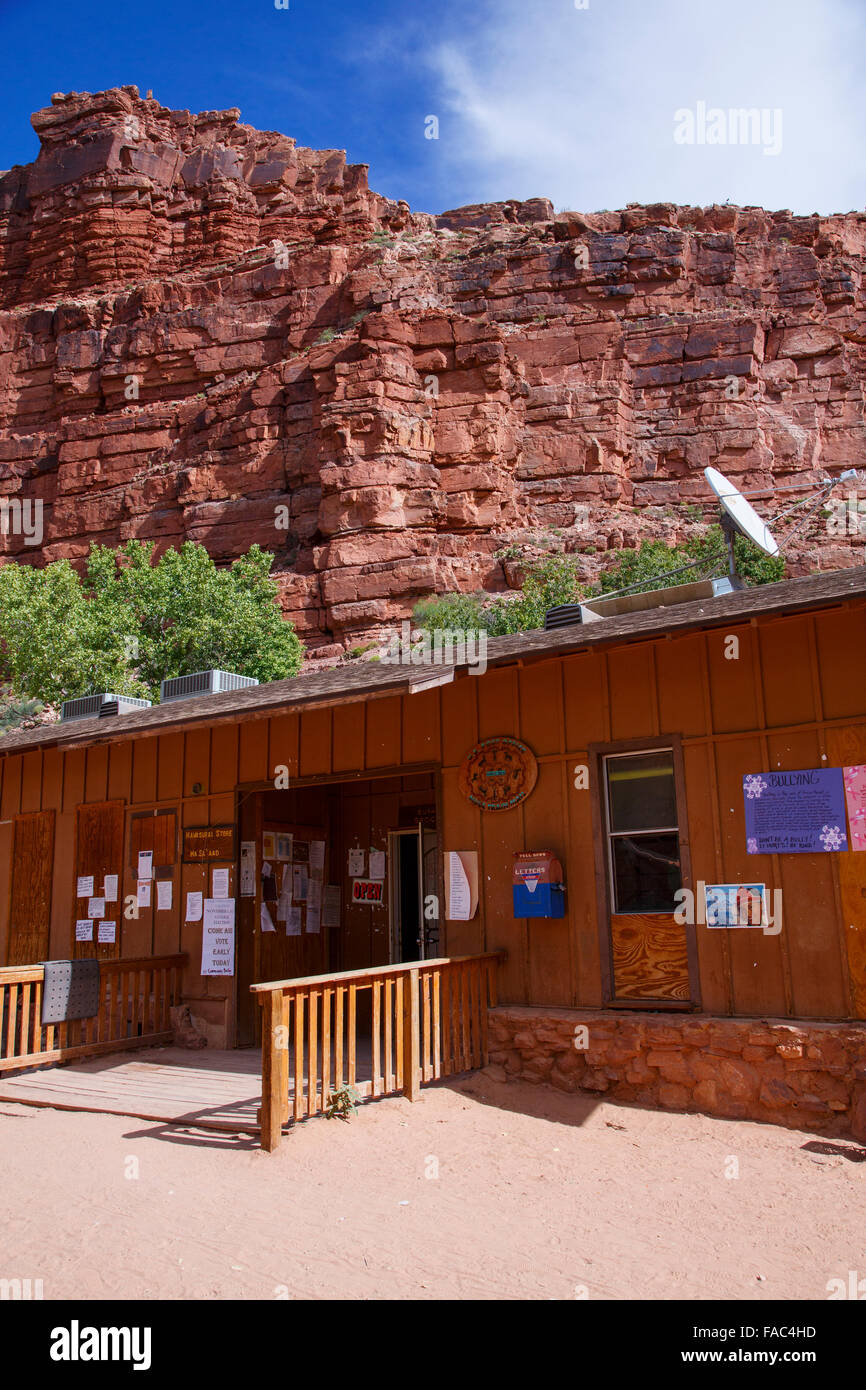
(411, 1036)
(275, 1068)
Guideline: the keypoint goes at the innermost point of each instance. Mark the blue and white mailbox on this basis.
(537, 886)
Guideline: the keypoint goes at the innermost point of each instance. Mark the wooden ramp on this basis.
(210, 1088)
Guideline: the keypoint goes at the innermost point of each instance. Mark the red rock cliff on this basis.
(207, 332)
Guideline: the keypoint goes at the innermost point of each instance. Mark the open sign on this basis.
(367, 890)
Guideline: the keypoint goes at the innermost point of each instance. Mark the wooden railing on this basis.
(384, 1031)
(135, 999)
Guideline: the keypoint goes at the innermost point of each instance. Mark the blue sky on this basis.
(533, 97)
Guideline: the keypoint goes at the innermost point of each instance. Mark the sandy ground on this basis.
(538, 1196)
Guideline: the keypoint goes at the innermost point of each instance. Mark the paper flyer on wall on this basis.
(461, 885)
(218, 937)
(84, 930)
(331, 906)
(194, 906)
(144, 892)
(96, 907)
(855, 796)
(377, 863)
(293, 921)
(265, 919)
(110, 886)
(145, 864)
(299, 883)
(220, 883)
(356, 863)
(164, 896)
(107, 933)
(85, 887)
(317, 856)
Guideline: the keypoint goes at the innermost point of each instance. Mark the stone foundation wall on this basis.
(805, 1075)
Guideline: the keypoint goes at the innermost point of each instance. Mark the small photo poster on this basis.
(84, 930)
(284, 846)
(109, 889)
(736, 904)
(269, 844)
(144, 892)
(299, 883)
(301, 851)
(855, 795)
(107, 933)
(96, 907)
(85, 886)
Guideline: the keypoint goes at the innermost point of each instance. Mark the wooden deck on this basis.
(208, 1089)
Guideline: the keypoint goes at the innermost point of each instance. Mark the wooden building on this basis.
(660, 710)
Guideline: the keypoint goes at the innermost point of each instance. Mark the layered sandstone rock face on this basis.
(207, 332)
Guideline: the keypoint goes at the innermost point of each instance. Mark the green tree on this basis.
(130, 623)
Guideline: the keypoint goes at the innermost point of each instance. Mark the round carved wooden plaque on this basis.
(498, 773)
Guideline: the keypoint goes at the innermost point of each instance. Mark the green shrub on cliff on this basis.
(130, 622)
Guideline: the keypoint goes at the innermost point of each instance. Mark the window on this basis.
(642, 831)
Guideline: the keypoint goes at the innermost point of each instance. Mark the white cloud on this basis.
(544, 99)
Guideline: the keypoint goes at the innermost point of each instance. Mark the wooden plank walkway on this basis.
(209, 1089)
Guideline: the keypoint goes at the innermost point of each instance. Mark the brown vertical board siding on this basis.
(497, 704)
(384, 816)
(847, 748)
(545, 825)
(96, 773)
(712, 954)
(357, 919)
(757, 975)
(6, 836)
(30, 888)
(542, 717)
(733, 683)
(99, 834)
(10, 802)
(31, 782)
(786, 672)
(51, 795)
(581, 898)
(459, 718)
(500, 837)
(681, 675)
(253, 751)
(169, 773)
(315, 750)
(144, 753)
(63, 885)
(584, 686)
(283, 735)
(460, 830)
(120, 771)
(384, 733)
(841, 645)
(196, 761)
(810, 933)
(421, 733)
(194, 879)
(349, 737)
(224, 758)
(631, 678)
(73, 779)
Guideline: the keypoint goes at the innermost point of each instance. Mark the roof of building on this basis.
(364, 680)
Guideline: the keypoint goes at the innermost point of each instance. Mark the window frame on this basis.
(604, 902)
(611, 834)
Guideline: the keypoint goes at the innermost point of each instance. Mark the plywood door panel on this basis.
(649, 958)
(30, 889)
(98, 851)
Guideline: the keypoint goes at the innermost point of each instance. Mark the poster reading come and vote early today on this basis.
(801, 812)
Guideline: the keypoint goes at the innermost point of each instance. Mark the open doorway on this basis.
(413, 896)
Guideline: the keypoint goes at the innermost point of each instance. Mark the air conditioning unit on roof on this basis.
(100, 706)
(202, 683)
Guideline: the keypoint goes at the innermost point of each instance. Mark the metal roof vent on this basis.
(100, 706)
(202, 683)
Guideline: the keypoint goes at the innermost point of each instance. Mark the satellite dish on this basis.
(741, 512)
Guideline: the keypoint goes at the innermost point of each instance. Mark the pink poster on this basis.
(855, 795)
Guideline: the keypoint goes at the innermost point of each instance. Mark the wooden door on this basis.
(30, 890)
(98, 852)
